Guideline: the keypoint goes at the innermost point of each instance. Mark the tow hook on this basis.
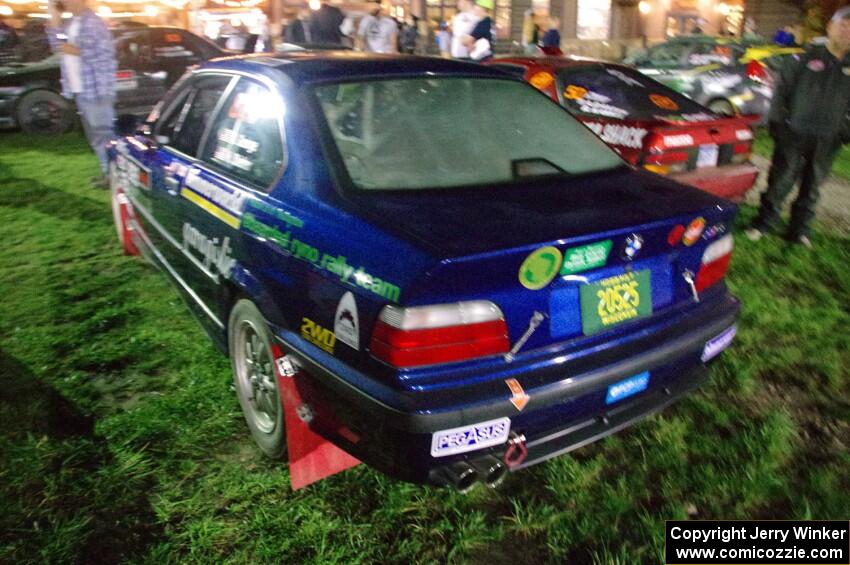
(688, 275)
(516, 452)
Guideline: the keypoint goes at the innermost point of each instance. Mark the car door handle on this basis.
(172, 185)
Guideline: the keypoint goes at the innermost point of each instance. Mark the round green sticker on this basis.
(540, 268)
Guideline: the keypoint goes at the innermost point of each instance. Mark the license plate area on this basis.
(615, 300)
(708, 155)
(627, 387)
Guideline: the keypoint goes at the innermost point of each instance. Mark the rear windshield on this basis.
(625, 94)
(423, 133)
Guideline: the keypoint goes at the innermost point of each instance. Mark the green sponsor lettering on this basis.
(586, 257)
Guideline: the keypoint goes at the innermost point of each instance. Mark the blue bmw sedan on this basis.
(460, 279)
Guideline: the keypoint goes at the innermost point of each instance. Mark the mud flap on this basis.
(311, 457)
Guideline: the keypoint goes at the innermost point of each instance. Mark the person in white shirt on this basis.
(377, 32)
(462, 25)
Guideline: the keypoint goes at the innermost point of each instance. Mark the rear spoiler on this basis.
(743, 119)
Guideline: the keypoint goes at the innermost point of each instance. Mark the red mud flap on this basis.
(311, 457)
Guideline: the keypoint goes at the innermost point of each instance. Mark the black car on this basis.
(150, 60)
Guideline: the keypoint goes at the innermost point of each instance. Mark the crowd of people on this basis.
(470, 34)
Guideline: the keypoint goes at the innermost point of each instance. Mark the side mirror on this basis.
(126, 124)
(162, 139)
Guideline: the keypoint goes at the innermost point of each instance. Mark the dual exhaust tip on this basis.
(464, 475)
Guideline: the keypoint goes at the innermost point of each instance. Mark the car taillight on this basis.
(756, 71)
(427, 335)
(124, 75)
(715, 263)
(667, 162)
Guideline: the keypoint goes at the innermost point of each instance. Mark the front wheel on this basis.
(250, 346)
(43, 112)
(722, 107)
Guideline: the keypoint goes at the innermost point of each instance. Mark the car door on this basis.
(241, 159)
(171, 151)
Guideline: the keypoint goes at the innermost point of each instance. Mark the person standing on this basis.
(8, 42)
(551, 44)
(377, 32)
(462, 25)
(324, 25)
(444, 41)
(481, 40)
(88, 73)
(809, 120)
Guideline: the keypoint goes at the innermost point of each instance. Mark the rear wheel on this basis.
(250, 345)
(722, 107)
(43, 112)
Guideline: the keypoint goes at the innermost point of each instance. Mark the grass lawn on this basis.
(763, 145)
(122, 441)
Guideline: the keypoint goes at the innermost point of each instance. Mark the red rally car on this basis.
(649, 124)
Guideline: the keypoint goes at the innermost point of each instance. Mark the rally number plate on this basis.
(615, 300)
(707, 156)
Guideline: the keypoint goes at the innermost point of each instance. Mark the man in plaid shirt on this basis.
(88, 72)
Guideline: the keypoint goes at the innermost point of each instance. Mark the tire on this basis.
(722, 107)
(43, 112)
(254, 376)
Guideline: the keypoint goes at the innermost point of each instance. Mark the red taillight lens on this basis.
(715, 263)
(756, 71)
(428, 335)
(124, 75)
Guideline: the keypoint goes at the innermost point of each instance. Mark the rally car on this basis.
(650, 125)
(425, 264)
(729, 76)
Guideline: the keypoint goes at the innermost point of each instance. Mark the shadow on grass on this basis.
(49, 200)
(64, 492)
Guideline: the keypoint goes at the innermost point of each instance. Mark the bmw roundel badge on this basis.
(632, 246)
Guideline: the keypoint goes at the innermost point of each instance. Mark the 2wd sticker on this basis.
(346, 322)
(317, 335)
(470, 438)
(616, 134)
(694, 231)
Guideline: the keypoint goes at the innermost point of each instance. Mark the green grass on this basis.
(121, 440)
(763, 145)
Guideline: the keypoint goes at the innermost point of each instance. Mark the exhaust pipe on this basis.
(461, 476)
(491, 470)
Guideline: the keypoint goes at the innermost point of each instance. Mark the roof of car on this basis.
(553, 61)
(325, 66)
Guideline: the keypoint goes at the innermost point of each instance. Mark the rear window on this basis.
(624, 94)
(452, 132)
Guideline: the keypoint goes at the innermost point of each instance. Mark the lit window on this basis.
(594, 17)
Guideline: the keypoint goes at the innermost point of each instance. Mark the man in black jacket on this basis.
(808, 121)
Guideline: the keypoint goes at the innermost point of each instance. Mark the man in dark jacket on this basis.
(809, 122)
(324, 25)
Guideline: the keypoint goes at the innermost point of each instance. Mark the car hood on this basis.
(462, 222)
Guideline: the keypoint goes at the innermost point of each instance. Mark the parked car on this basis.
(650, 125)
(150, 60)
(726, 75)
(457, 289)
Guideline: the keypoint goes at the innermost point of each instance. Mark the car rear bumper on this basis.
(729, 181)
(390, 435)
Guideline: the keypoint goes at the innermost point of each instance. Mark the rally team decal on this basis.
(539, 268)
(215, 253)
